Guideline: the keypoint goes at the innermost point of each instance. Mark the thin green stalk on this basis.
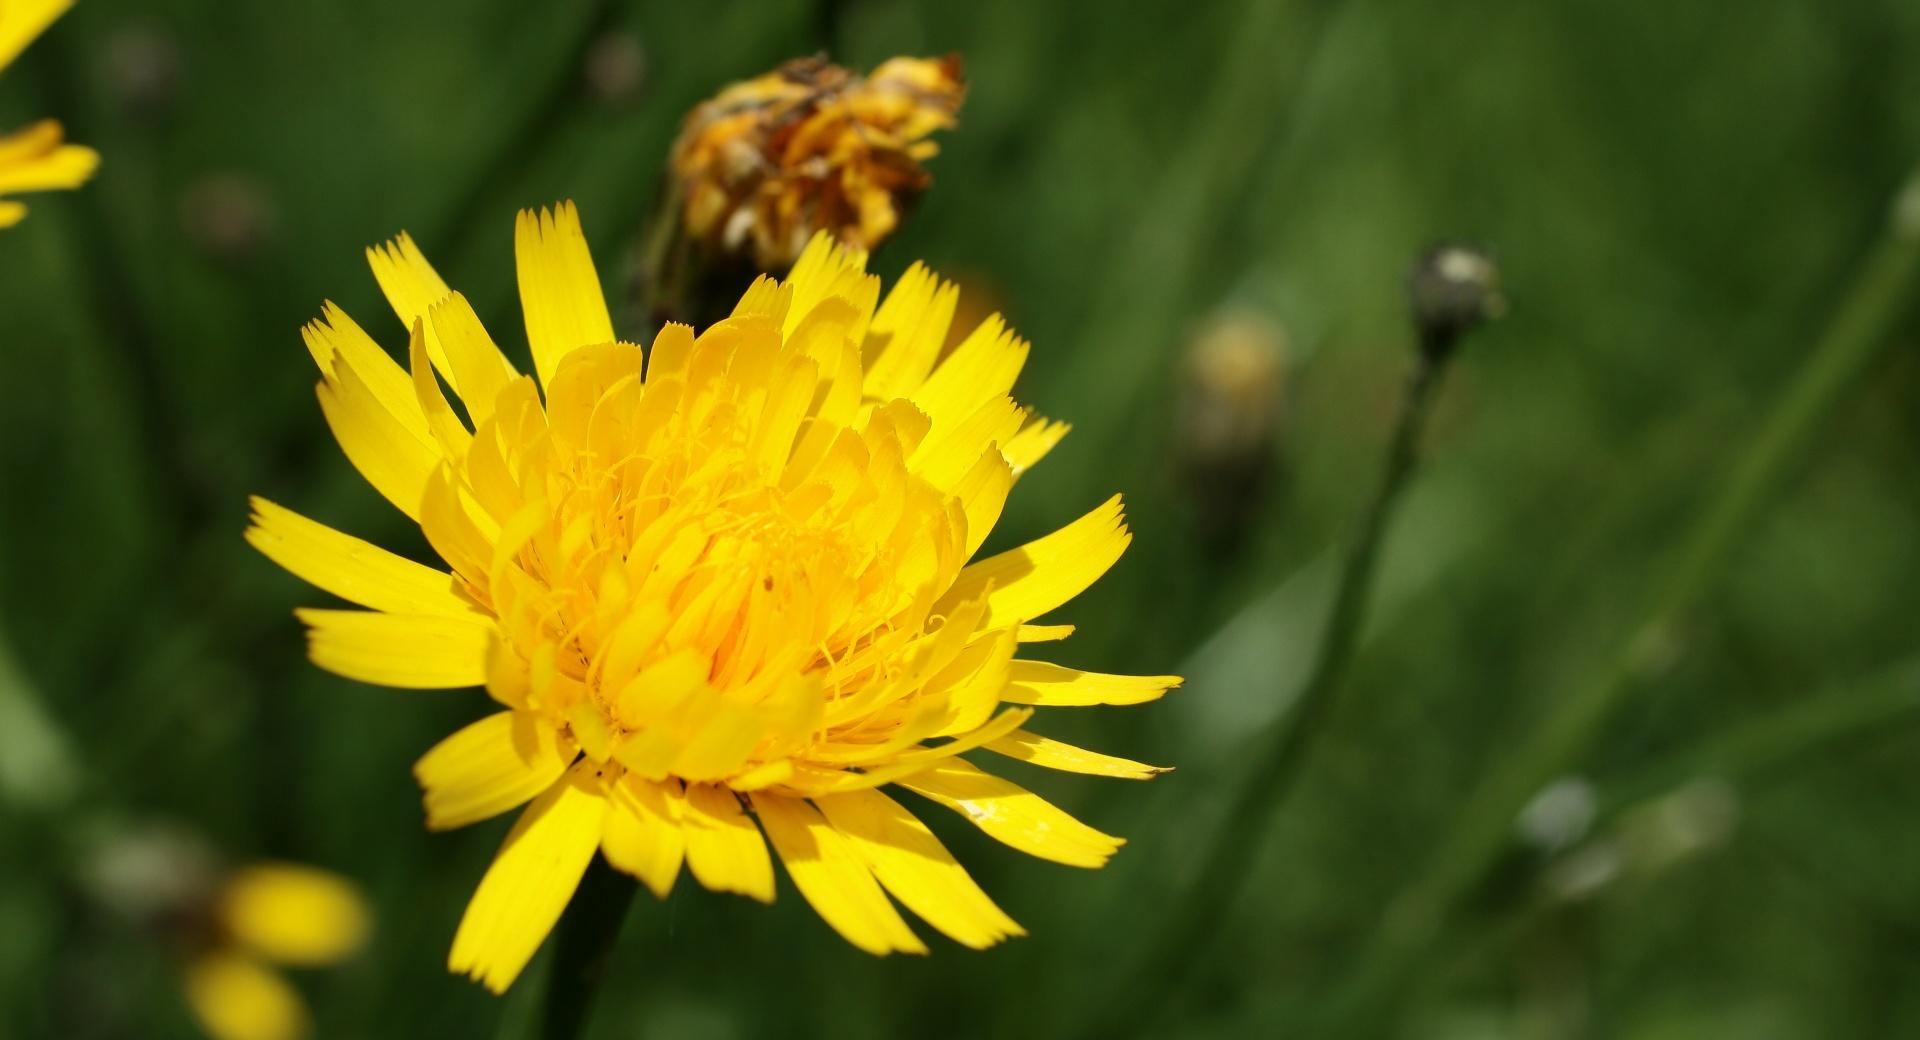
(1798, 732)
(583, 945)
(1261, 793)
(1802, 729)
(128, 324)
(1472, 849)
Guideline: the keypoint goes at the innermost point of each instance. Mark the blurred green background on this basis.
(1679, 195)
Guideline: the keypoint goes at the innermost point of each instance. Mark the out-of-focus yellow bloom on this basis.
(35, 159)
(718, 592)
(812, 147)
(236, 997)
(270, 913)
(293, 914)
(1231, 398)
(1230, 408)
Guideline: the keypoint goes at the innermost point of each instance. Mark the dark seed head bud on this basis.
(1453, 289)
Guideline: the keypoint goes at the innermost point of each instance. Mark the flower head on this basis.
(1453, 289)
(809, 147)
(232, 926)
(719, 588)
(271, 913)
(35, 159)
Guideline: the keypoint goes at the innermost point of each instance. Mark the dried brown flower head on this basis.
(808, 147)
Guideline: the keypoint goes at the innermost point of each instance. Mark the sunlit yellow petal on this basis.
(983, 493)
(559, 288)
(395, 459)
(411, 286)
(671, 349)
(724, 848)
(411, 651)
(1044, 573)
(907, 333)
(445, 427)
(642, 833)
(490, 766)
(1037, 750)
(830, 874)
(916, 868)
(354, 570)
(980, 369)
(1032, 443)
(1038, 682)
(827, 269)
(457, 527)
(23, 20)
(1013, 814)
(531, 879)
(336, 343)
(953, 448)
(480, 370)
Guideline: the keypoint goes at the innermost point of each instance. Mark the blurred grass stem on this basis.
(36, 759)
(1247, 821)
(1805, 729)
(1475, 846)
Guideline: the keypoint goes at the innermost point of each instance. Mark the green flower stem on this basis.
(1472, 849)
(583, 945)
(1247, 820)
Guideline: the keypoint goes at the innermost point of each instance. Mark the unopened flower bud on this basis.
(1453, 289)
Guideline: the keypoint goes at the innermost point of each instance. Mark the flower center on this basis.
(692, 598)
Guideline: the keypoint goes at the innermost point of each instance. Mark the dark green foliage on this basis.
(1677, 195)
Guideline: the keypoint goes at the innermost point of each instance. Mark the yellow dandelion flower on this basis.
(270, 913)
(812, 147)
(720, 589)
(35, 159)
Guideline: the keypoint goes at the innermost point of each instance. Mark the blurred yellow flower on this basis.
(274, 912)
(35, 159)
(812, 147)
(731, 587)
